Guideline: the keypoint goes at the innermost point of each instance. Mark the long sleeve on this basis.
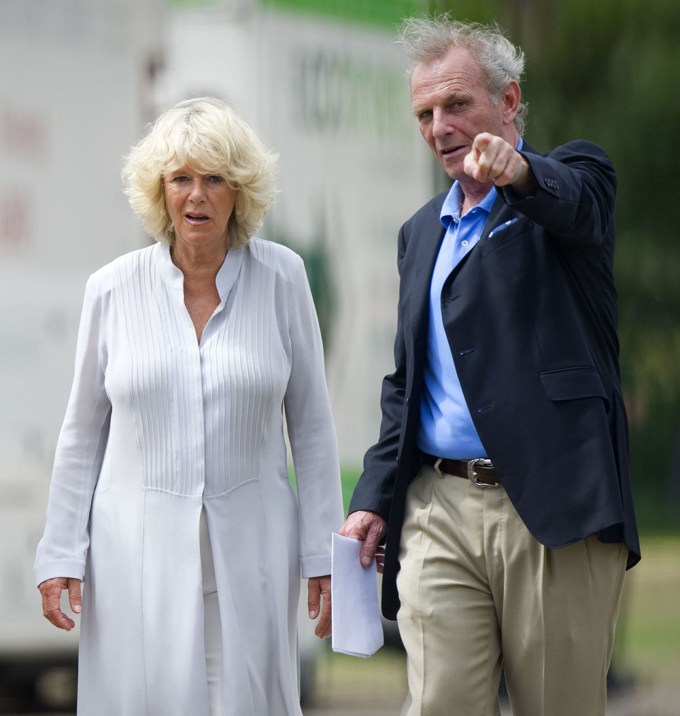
(574, 200)
(375, 489)
(311, 433)
(78, 458)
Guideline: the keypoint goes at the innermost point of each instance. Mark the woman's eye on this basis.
(215, 179)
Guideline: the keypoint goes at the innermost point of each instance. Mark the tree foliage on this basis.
(609, 71)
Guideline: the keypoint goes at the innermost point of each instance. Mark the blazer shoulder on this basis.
(430, 208)
(576, 151)
(427, 215)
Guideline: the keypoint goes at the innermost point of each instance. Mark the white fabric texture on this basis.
(212, 629)
(159, 427)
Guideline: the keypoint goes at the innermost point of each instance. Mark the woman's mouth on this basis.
(196, 218)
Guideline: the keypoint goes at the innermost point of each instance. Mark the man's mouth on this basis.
(446, 151)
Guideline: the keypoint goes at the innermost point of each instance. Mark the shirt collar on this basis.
(451, 207)
(225, 279)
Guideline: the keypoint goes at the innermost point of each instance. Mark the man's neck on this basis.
(473, 194)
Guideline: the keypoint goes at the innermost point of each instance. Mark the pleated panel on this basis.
(244, 370)
(163, 376)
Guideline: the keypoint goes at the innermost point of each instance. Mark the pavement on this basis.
(643, 702)
(346, 685)
(638, 702)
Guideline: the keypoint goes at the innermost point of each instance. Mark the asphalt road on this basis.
(346, 687)
(638, 703)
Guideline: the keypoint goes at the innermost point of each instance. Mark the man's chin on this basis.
(453, 171)
(452, 164)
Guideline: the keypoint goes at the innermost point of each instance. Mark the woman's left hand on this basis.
(319, 601)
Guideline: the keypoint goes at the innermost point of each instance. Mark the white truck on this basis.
(75, 93)
(328, 93)
(78, 80)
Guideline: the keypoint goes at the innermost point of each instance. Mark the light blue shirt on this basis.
(446, 427)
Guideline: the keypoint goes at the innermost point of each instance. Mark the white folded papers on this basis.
(357, 629)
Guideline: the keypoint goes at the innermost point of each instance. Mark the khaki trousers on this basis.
(479, 592)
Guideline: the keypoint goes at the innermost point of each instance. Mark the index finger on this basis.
(371, 542)
(323, 627)
(482, 141)
(51, 603)
(486, 150)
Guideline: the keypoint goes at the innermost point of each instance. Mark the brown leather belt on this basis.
(479, 471)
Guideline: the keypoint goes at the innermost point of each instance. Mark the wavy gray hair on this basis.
(428, 38)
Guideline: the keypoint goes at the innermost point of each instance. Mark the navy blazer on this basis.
(530, 315)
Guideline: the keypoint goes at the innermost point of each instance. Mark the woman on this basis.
(170, 494)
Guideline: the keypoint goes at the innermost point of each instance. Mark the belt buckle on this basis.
(485, 464)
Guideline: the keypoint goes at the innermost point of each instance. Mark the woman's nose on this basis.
(197, 191)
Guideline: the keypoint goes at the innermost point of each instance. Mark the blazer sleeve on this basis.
(375, 488)
(574, 200)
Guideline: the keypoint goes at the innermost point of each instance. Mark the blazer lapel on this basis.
(425, 242)
(501, 211)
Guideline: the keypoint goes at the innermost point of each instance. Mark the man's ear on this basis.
(510, 99)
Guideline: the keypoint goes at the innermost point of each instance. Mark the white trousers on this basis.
(478, 593)
(213, 626)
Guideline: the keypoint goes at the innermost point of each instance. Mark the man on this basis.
(500, 476)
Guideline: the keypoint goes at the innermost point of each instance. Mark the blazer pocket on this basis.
(504, 234)
(573, 384)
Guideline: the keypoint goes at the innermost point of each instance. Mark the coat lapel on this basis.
(501, 211)
(424, 245)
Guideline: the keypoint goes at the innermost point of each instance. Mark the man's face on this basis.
(451, 102)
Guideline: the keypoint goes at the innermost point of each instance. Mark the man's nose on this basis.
(441, 126)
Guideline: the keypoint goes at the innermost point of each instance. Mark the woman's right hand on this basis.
(51, 590)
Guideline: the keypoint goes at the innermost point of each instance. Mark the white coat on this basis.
(159, 427)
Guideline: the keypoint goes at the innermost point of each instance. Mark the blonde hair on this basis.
(207, 134)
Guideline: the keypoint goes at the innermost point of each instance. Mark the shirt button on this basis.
(464, 242)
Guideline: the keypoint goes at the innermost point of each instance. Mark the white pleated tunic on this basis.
(158, 428)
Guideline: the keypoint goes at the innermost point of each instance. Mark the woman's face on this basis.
(200, 206)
